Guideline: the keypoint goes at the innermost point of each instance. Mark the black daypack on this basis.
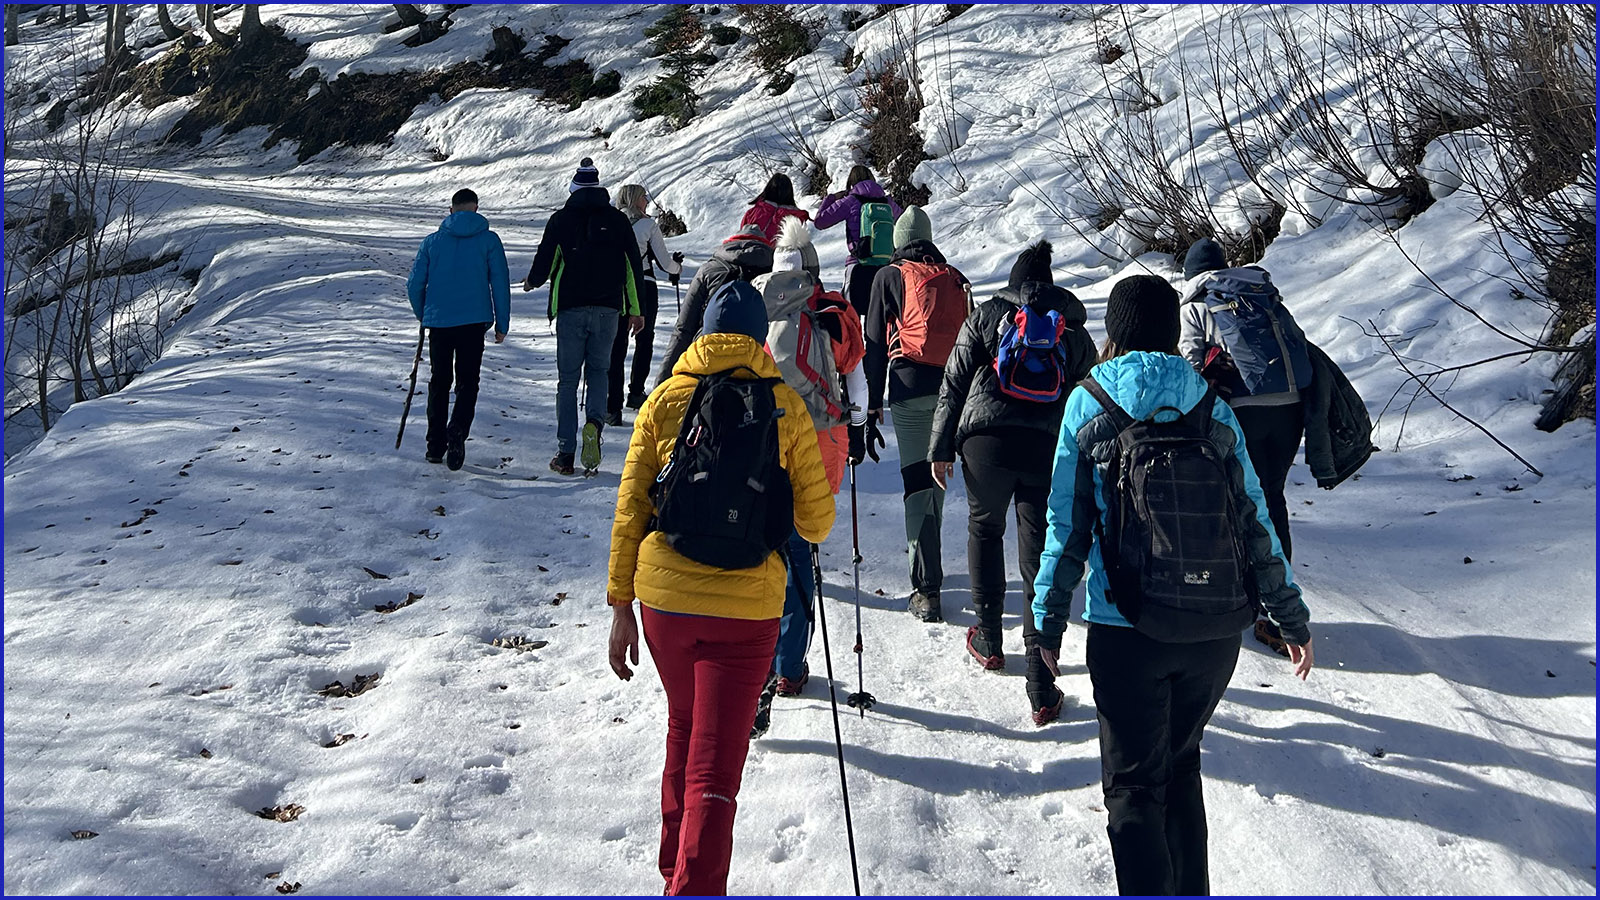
(724, 499)
(1178, 569)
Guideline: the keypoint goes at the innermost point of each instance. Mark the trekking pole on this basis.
(833, 701)
(860, 700)
(416, 363)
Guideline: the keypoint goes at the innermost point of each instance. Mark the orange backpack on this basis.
(935, 304)
(851, 348)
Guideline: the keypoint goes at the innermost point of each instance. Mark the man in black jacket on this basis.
(740, 258)
(912, 375)
(1007, 447)
(591, 259)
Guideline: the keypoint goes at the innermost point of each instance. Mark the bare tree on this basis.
(80, 13)
(250, 28)
(116, 31)
(409, 14)
(12, 13)
(168, 27)
(207, 13)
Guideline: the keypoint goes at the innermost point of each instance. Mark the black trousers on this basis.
(1272, 438)
(991, 490)
(649, 303)
(858, 285)
(1153, 701)
(457, 349)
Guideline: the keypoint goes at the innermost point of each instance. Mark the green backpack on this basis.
(876, 244)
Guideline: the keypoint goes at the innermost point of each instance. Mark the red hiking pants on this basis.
(713, 670)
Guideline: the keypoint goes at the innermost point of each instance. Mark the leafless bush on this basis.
(891, 98)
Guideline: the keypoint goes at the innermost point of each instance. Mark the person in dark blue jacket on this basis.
(1153, 698)
(459, 286)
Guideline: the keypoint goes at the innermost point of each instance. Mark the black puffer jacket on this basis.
(970, 401)
(738, 259)
(1338, 428)
(589, 255)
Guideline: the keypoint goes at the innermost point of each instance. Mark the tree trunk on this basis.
(409, 14)
(250, 29)
(208, 18)
(172, 31)
(81, 13)
(111, 29)
(12, 39)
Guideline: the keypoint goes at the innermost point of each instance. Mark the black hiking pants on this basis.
(1272, 438)
(1153, 701)
(458, 350)
(858, 285)
(991, 490)
(643, 348)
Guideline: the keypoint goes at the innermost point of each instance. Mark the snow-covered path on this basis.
(186, 566)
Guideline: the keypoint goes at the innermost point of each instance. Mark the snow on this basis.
(1444, 744)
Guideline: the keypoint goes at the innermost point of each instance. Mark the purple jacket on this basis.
(846, 208)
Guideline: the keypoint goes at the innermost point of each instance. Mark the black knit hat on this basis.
(1142, 314)
(588, 176)
(1033, 264)
(1205, 255)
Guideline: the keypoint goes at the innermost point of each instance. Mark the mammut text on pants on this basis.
(713, 670)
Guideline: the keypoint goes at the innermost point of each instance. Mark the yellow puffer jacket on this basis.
(644, 566)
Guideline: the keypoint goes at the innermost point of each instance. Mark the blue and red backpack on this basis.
(1031, 362)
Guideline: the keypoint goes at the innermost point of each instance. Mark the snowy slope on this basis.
(184, 561)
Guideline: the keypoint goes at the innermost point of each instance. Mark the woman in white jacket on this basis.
(632, 199)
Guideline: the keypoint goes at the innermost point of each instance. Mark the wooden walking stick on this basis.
(422, 331)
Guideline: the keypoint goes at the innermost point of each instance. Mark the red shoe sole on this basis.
(989, 663)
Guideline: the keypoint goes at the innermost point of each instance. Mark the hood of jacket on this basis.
(917, 251)
(869, 189)
(464, 223)
(588, 198)
(1045, 297)
(747, 252)
(718, 352)
(786, 293)
(1142, 382)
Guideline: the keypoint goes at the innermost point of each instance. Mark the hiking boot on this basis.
(1268, 633)
(562, 464)
(456, 456)
(591, 445)
(763, 720)
(791, 688)
(1046, 714)
(925, 607)
(984, 645)
(614, 419)
(434, 456)
(635, 399)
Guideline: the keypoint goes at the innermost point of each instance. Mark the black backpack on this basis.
(1179, 571)
(724, 499)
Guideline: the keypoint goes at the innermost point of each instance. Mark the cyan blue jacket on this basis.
(460, 276)
(1142, 383)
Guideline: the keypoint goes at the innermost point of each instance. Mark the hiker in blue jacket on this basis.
(1154, 697)
(459, 286)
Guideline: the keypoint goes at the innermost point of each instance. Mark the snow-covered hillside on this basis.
(190, 560)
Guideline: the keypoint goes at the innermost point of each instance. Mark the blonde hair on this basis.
(632, 199)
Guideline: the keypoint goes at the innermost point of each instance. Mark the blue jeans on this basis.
(794, 630)
(583, 350)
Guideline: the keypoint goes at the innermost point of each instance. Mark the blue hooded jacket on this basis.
(1142, 383)
(460, 276)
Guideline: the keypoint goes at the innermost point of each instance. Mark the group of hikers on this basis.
(1156, 463)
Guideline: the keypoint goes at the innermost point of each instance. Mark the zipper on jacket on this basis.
(1283, 348)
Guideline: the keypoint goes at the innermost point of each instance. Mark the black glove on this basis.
(858, 444)
(873, 436)
(677, 257)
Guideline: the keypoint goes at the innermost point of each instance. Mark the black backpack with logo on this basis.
(1179, 571)
(724, 499)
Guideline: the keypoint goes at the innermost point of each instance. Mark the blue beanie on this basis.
(736, 308)
(1205, 255)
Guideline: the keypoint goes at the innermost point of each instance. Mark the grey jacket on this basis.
(738, 259)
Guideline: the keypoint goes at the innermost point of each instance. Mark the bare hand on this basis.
(1300, 656)
(635, 324)
(624, 645)
(499, 337)
(941, 474)
(527, 286)
(1048, 657)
